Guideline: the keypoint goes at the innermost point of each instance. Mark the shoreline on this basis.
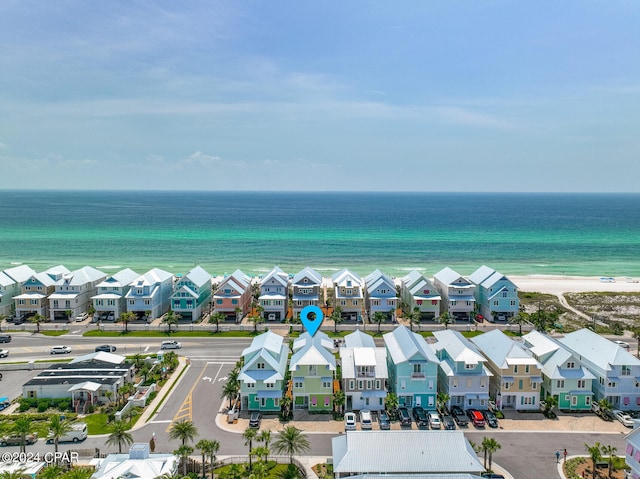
(559, 284)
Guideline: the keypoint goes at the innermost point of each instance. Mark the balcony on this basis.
(418, 376)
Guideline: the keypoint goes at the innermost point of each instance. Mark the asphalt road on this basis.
(527, 455)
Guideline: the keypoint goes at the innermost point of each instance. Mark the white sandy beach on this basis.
(573, 284)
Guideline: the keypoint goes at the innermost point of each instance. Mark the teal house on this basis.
(312, 368)
(413, 368)
(192, 294)
(563, 377)
(262, 376)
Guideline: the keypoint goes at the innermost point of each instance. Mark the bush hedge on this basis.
(42, 404)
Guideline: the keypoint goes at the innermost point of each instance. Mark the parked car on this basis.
(405, 418)
(81, 317)
(170, 344)
(434, 420)
(458, 415)
(476, 417)
(420, 417)
(491, 419)
(4, 353)
(383, 421)
(448, 422)
(623, 417)
(60, 350)
(255, 419)
(111, 316)
(622, 344)
(350, 421)
(4, 403)
(365, 420)
(107, 348)
(492, 475)
(5, 338)
(16, 440)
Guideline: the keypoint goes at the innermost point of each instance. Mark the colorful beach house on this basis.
(307, 289)
(233, 296)
(150, 294)
(347, 294)
(419, 293)
(274, 293)
(412, 367)
(462, 375)
(312, 367)
(380, 295)
(563, 377)
(458, 294)
(262, 376)
(364, 372)
(110, 302)
(617, 372)
(496, 295)
(192, 294)
(73, 293)
(516, 373)
(34, 297)
(632, 454)
(11, 285)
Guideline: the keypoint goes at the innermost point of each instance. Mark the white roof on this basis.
(277, 274)
(308, 273)
(540, 344)
(312, 351)
(342, 277)
(122, 278)
(42, 278)
(404, 345)
(87, 385)
(152, 277)
(396, 452)
(269, 341)
(270, 349)
(6, 280)
(351, 358)
(19, 273)
(448, 276)
(100, 356)
(598, 350)
(121, 466)
(197, 276)
(82, 276)
(481, 274)
(30, 296)
(358, 339)
(459, 348)
(502, 350)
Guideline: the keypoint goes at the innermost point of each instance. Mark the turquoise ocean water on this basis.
(585, 234)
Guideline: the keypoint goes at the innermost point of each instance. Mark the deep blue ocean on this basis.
(576, 234)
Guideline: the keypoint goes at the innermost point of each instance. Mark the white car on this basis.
(81, 317)
(622, 344)
(60, 350)
(623, 417)
(4, 353)
(350, 421)
(434, 420)
(171, 344)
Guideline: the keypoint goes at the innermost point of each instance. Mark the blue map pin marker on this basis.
(311, 325)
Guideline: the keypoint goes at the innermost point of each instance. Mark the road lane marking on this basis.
(146, 349)
(185, 411)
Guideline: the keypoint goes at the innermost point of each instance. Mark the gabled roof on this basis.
(540, 344)
(410, 279)
(122, 278)
(6, 280)
(152, 277)
(419, 452)
(458, 348)
(269, 341)
(57, 272)
(270, 349)
(19, 273)
(122, 466)
(312, 350)
(197, 276)
(177, 293)
(554, 368)
(404, 345)
(277, 274)
(502, 350)
(481, 274)
(448, 276)
(358, 339)
(418, 289)
(375, 282)
(40, 278)
(342, 277)
(241, 278)
(79, 277)
(237, 281)
(100, 356)
(309, 273)
(598, 350)
(351, 358)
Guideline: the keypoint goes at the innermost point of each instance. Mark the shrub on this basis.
(43, 406)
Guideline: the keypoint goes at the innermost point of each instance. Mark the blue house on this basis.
(192, 294)
(496, 295)
(274, 294)
(412, 367)
(380, 292)
(151, 293)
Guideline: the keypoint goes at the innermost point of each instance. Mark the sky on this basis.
(495, 96)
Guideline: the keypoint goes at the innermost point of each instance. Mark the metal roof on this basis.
(457, 347)
(197, 276)
(598, 350)
(122, 278)
(502, 351)
(309, 273)
(404, 345)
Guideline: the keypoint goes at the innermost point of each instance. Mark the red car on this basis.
(476, 417)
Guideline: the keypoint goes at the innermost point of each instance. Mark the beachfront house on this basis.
(34, 298)
(73, 293)
(312, 367)
(233, 296)
(458, 294)
(307, 288)
(262, 375)
(11, 280)
(516, 373)
(563, 377)
(364, 372)
(347, 294)
(420, 294)
(274, 291)
(617, 372)
(632, 453)
(496, 295)
(412, 368)
(380, 295)
(149, 296)
(462, 374)
(192, 294)
(110, 302)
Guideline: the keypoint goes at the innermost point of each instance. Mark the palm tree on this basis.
(19, 474)
(379, 317)
(520, 319)
(22, 428)
(391, 403)
(609, 451)
(256, 319)
(234, 471)
(249, 435)
(52, 471)
(183, 452)
(261, 452)
(207, 449)
(549, 403)
(2, 318)
(58, 428)
(36, 318)
(217, 318)
(259, 471)
(595, 454)
(484, 447)
(492, 446)
(414, 317)
(125, 318)
(68, 313)
(291, 472)
(291, 441)
(170, 319)
(238, 312)
(265, 436)
(137, 360)
(441, 400)
(184, 431)
(126, 389)
(78, 473)
(336, 317)
(119, 436)
(230, 389)
(445, 319)
(338, 400)
(215, 447)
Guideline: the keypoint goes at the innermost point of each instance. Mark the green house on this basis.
(312, 370)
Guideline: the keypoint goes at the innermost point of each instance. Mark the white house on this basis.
(274, 291)
(138, 463)
(419, 292)
(150, 292)
(10, 286)
(458, 293)
(73, 292)
(111, 294)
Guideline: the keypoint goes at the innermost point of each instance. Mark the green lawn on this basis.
(54, 332)
(178, 334)
(274, 473)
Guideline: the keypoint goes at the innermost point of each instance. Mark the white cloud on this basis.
(204, 160)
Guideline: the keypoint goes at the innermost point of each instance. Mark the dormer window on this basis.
(260, 366)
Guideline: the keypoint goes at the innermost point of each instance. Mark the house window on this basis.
(326, 384)
(355, 302)
(534, 385)
(574, 400)
(626, 370)
(496, 303)
(343, 302)
(377, 384)
(571, 365)
(375, 302)
(470, 366)
(234, 301)
(250, 385)
(515, 369)
(368, 384)
(507, 385)
(327, 401)
(276, 402)
(263, 402)
(218, 301)
(313, 371)
(360, 384)
(583, 383)
(352, 383)
(587, 400)
(297, 383)
(403, 384)
(560, 383)
(520, 384)
(147, 302)
(132, 302)
(526, 369)
(513, 303)
(483, 383)
(611, 384)
(454, 383)
(260, 365)
(269, 385)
